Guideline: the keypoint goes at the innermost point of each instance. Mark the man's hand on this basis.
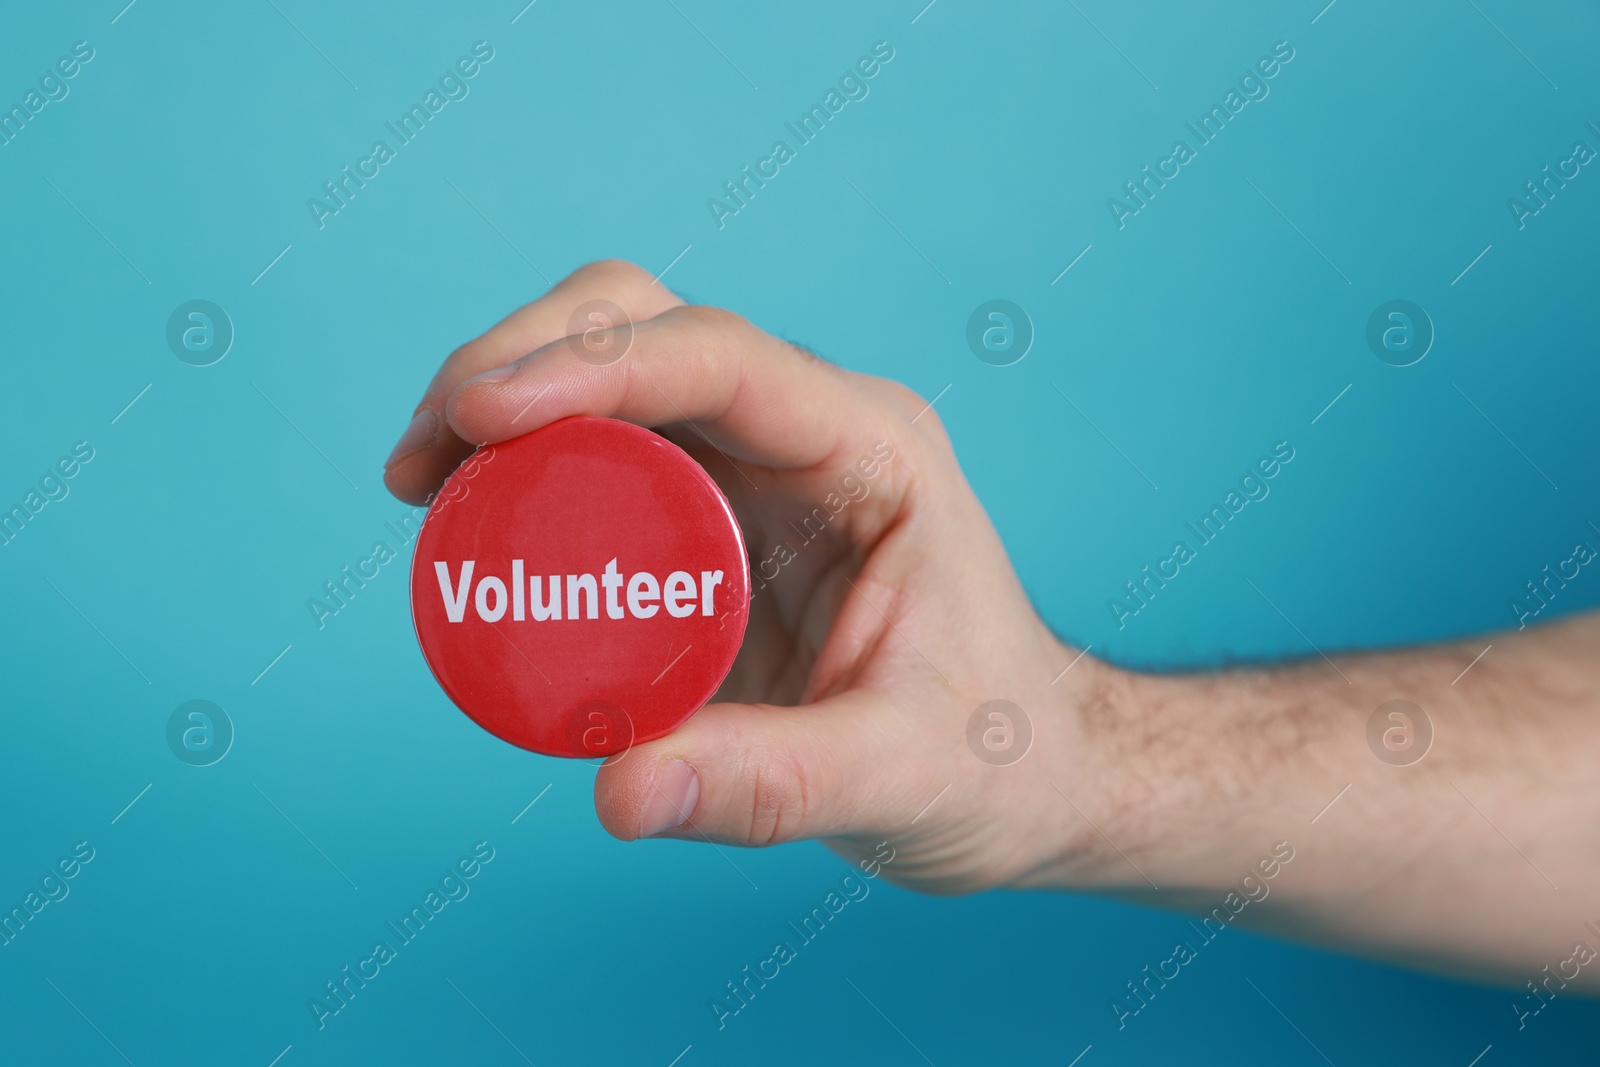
(885, 611)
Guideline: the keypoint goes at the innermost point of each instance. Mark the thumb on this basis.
(752, 774)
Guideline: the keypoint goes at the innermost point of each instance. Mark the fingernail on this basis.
(499, 374)
(672, 800)
(421, 433)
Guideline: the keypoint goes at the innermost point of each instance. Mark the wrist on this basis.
(1100, 791)
(1165, 788)
(1077, 784)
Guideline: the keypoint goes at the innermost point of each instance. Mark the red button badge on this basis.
(580, 589)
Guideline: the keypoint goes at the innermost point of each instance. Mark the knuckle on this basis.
(936, 437)
(463, 362)
(780, 799)
(612, 272)
(904, 398)
(906, 404)
(711, 318)
(467, 353)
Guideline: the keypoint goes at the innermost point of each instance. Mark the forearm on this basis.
(1481, 858)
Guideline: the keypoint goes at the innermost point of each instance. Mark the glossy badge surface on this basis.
(580, 589)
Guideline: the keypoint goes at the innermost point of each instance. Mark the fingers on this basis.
(754, 775)
(755, 397)
(430, 449)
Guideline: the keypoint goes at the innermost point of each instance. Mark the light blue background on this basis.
(1195, 338)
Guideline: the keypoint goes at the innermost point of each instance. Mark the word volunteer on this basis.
(678, 594)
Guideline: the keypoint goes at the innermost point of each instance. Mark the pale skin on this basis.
(845, 716)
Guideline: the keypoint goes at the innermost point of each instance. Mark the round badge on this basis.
(580, 589)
